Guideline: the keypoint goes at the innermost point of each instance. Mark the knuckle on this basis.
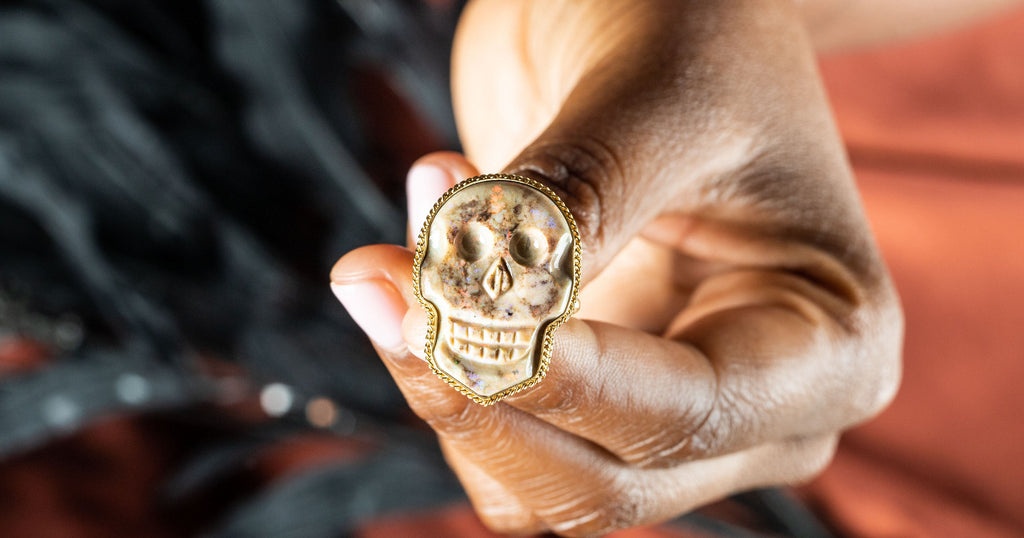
(557, 403)
(716, 432)
(879, 394)
(503, 520)
(701, 437)
(584, 173)
(688, 425)
(877, 358)
(410, 371)
(447, 414)
(890, 357)
(812, 456)
(596, 523)
(616, 507)
(661, 452)
(626, 510)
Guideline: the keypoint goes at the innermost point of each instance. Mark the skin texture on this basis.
(736, 315)
(837, 25)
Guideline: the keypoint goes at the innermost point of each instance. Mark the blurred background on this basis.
(177, 178)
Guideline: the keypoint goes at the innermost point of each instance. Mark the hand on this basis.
(736, 314)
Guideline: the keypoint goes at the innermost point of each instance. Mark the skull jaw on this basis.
(486, 370)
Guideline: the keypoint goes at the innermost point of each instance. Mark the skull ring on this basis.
(498, 270)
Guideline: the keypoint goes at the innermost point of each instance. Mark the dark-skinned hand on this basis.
(736, 315)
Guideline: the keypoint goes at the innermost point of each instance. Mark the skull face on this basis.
(498, 268)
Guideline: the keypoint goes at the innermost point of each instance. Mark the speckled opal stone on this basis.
(498, 268)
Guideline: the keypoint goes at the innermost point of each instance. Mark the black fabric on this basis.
(176, 179)
(181, 175)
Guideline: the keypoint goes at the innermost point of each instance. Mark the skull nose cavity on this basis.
(498, 279)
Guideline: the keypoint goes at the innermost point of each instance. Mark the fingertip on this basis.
(391, 263)
(371, 258)
(377, 307)
(453, 163)
(429, 177)
(424, 185)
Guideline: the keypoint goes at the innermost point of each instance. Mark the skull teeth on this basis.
(489, 344)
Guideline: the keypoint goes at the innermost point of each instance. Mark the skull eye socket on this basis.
(528, 247)
(474, 242)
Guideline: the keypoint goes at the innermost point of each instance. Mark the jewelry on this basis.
(498, 270)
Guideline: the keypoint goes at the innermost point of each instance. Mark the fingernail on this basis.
(378, 309)
(424, 185)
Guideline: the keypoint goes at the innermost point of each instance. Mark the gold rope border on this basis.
(547, 344)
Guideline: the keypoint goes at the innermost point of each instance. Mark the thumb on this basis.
(632, 140)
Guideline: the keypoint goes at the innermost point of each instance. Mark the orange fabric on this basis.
(936, 135)
(21, 355)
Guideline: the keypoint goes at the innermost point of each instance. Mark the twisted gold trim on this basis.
(547, 343)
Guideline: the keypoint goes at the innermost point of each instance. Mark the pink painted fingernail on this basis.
(378, 309)
(423, 186)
